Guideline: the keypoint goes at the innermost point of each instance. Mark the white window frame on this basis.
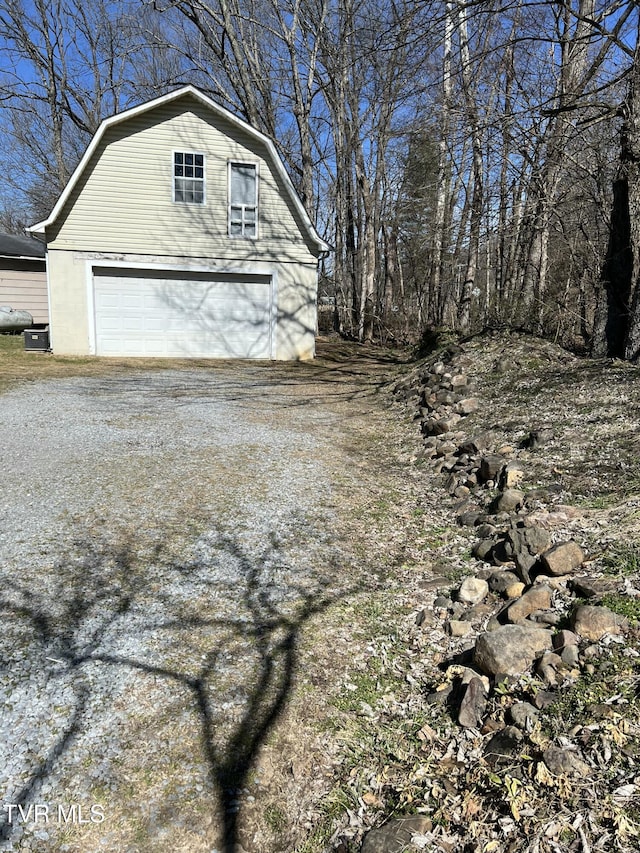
(203, 179)
(256, 166)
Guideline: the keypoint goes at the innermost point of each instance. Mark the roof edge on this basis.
(24, 257)
(125, 115)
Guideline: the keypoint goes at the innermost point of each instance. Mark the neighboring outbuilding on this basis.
(181, 235)
(23, 276)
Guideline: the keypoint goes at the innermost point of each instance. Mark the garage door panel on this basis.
(133, 301)
(111, 324)
(156, 347)
(154, 324)
(106, 302)
(132, 324)
(179, 317)
(113, 346)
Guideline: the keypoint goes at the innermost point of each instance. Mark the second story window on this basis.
(243, 200)
(188, 177)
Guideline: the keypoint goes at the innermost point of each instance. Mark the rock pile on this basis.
(524, 602)
(530, 619)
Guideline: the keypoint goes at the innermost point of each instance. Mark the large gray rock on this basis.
(467, 406)
(544, 698)
(474, 445)
(483, 550)
(503, 746)
(537, 598)
(468, 518)
(473, 705)
(509, 501)
(538, 437)
(490, 467)
(562, 559)
(523, 545)
(510, 649)
(515, 590)
(570, 657)
(499, 582)
(458, 628)
(523, 715)
(564, 639)
(565, 762)
(460, 380)
(534, 540)
(395, 836)
(430, 428)
(447, 398)
(446, 424)
(586, 586)
(593, 623)
(524, 563)
(511, 476)
(548, 666)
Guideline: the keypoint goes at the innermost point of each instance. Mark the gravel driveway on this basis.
(164, 538)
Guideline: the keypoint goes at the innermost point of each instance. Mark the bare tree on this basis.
(618, 328)
(259, 58)
(523, 91)
(477, 199)
(67, 69)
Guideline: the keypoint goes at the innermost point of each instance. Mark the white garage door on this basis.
(178, 315)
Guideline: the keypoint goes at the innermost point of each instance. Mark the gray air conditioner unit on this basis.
(36, 340)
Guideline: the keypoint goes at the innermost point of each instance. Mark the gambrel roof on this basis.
(118, 118)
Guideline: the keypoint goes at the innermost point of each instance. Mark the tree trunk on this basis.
(617, 332)
(477, 199)
(441, 234)
(615, 285)
(631, 163)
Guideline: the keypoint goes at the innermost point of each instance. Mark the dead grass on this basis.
(17, 365)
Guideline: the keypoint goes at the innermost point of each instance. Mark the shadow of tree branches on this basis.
(226, 599)
(342, 373)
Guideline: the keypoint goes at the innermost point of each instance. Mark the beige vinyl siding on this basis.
(123, 201)
(23, 286)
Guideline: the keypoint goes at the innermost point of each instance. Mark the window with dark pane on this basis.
(188, 177)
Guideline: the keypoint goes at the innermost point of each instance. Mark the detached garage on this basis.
(181, 235)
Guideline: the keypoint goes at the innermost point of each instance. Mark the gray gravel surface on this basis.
(159, 535)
